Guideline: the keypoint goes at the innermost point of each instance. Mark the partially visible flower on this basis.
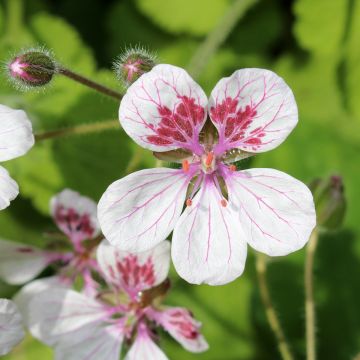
(75, 216)
(16, 139)
(11, 328)
(32, 68)
(330, 201)
(132, 64)
(251, 112)
(127, 310)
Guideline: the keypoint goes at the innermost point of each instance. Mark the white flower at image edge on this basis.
(251, 112)
(11, 328)
(16, 138)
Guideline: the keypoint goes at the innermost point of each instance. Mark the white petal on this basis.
(11, 328)
(275, 210)
(20, 263)
(253, 110)
(208, 245)
(9, 189)
(164, 109)
(183, 327)
(16, 136)
(99, 343)
(140, 210)
(134, 272)
(56, 313)
(75, 215)
(24, 296)
(144, 348)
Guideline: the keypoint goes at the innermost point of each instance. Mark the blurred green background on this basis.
(313, 44)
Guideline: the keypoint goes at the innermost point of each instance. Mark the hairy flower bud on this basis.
(33, 68)
(330, 201)
(132, 64)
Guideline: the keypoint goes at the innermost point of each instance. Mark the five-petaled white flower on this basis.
(75, 216)
(252, 111)
(11, 328)
(16, 138)
(82, 327)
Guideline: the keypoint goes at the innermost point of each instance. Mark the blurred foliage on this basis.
(313, 45)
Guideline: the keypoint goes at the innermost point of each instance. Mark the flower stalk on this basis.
(309, 296)
(271, 315)
(89, 83)
(78, 130)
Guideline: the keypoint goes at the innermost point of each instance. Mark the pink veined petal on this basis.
(100, 342)
(253, 109)
(20, 263)
(16, 137)
(208, 244)
(75, 215)
(134, 272)
(11, 328)
(181, 325)
(144, 347)
(54, 314)
(140, 210)
(9, 189)
(164, 109)
(275, 210)
(24, 296)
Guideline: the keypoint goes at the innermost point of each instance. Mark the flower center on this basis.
(208, 162)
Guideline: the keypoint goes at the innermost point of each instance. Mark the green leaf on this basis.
(184, 16)
(320, 25)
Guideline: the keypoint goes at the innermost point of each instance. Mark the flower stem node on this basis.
(33, 68)
(132, 64)
(330, 201)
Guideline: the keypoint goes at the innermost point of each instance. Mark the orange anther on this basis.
(223, 203)
(232, 168)
(185, 165)
(209, 158)
(188, 202)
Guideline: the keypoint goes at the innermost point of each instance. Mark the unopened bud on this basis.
(132, 64)
(330, 201)
(33, 68)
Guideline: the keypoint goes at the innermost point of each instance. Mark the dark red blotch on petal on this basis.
(177, 126)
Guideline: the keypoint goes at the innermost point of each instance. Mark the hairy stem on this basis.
(271, 315)
(309, 296)
(217, 36)
(89, 83)
(78, 130)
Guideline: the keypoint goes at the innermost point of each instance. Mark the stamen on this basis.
(209, 159)
(188, 202)
(185, 165)
(223, 203)
(232, 168)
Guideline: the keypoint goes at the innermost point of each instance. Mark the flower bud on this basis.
(132, 64)
(33, 68)
(330, 201)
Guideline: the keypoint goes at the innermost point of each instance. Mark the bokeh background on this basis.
(313, 44)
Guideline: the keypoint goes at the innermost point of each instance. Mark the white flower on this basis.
(16, 138)
(11, 328)
(81, 327)
(251, 112)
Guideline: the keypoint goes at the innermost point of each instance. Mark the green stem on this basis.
(89, 83)
(78, 130)
(217, 36)
(271, 315)
(309, 296)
